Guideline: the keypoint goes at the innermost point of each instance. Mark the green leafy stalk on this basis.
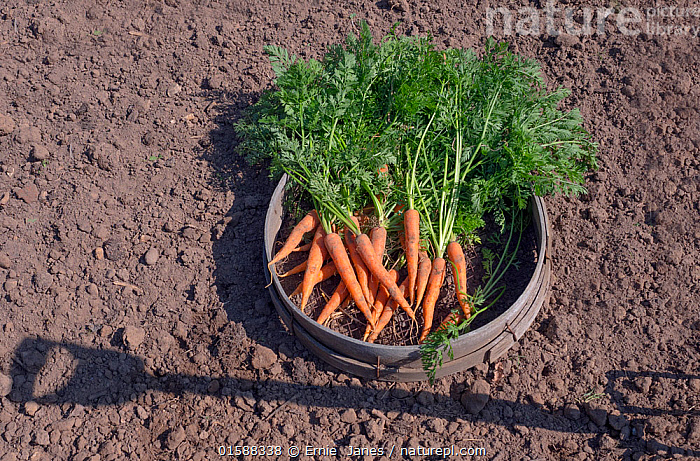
(438, 343)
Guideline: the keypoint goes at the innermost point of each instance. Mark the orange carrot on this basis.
(307, 224)
(346, 303)
(411, 226)
(368, 330)
(336, 249)
(305, 247)
(459, 271)
(366, 251)
(333, 303)
(317, 254)
(378, 237)
(383, 321)
(380, 302)
(431, 295)
(452, 318)
(295, 270)
(360, 267)
(424, 266)
(373, 285)
(324, 274)
(384, 296)
(297, 290)
(387, 313)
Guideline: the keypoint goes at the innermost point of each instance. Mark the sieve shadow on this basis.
(638, 416)
(95, 377)
(625, 378)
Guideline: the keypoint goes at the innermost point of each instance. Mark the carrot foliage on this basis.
(324, 122)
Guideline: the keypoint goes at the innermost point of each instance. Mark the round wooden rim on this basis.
(402, 363)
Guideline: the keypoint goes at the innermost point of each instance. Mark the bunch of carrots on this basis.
(358, 258)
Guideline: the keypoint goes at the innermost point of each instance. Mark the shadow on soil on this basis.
(93, 378)
(237, 243)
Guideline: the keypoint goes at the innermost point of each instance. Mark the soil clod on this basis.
(40, 152)
(175, 438)
(151, 256)
(5, 261)
(5, 385)
(597, 413)
(133, 336)
(114, 249)
(263, 358)
(476, 397)
(31, 408)
(29, 193)
(7, 125)
(348, 416)
(572, 412)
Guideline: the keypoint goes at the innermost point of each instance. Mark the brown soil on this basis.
(135, 322)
